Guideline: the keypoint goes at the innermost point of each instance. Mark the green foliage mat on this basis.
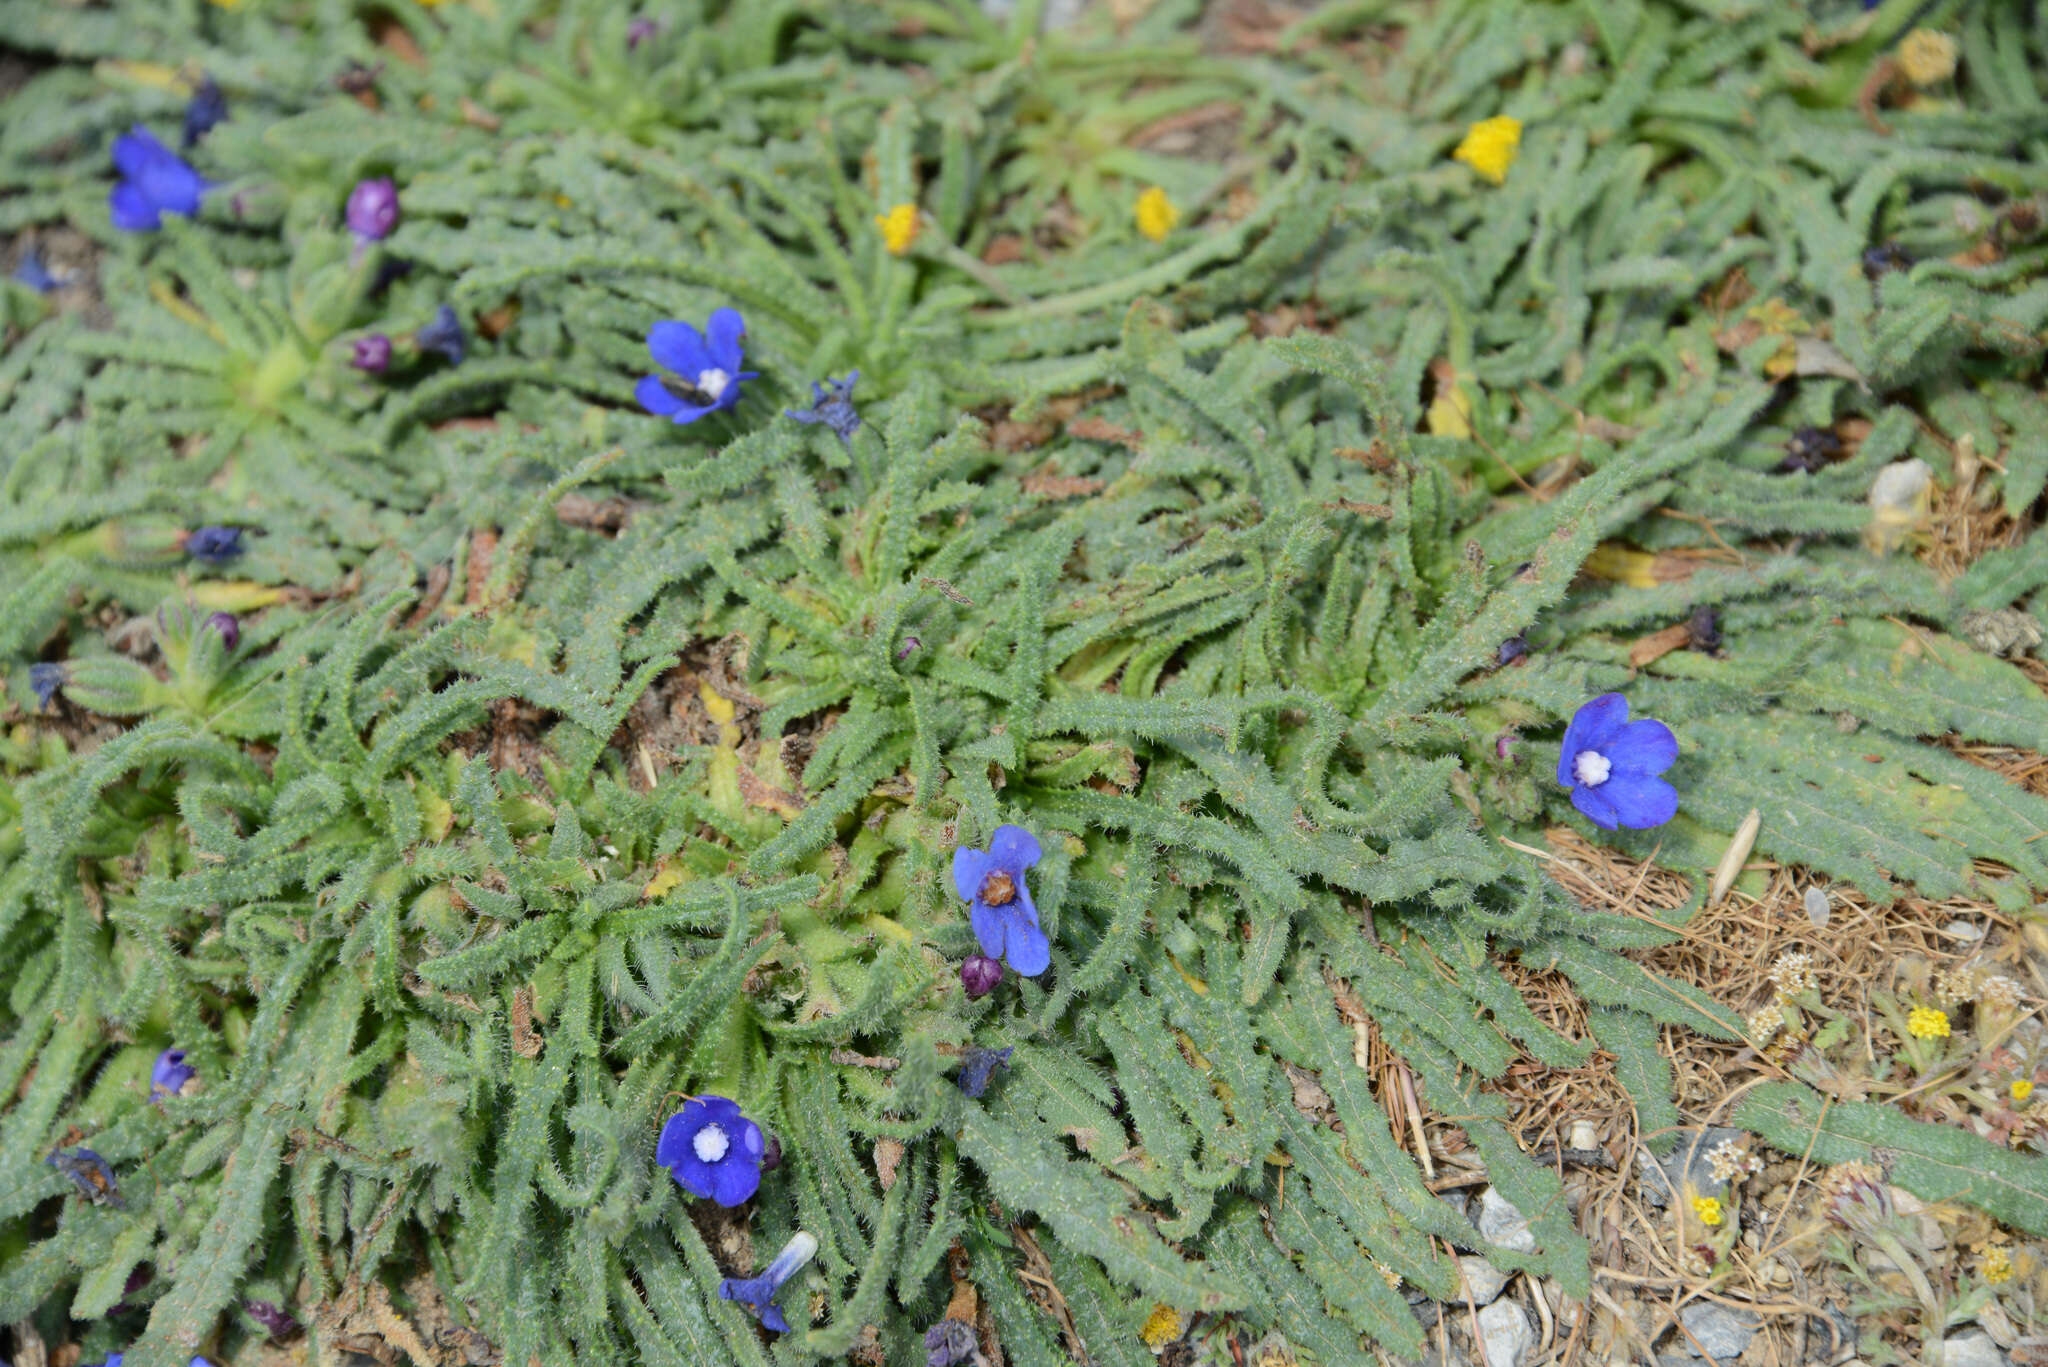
(571, 760)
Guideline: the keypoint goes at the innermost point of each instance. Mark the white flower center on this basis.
(713, 382)
(710, 1144)
(1591, 768)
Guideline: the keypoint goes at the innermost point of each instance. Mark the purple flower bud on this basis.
(213, 545)
(206, 108)
(443, 334)
(910, 645)
(171, 1073)
(373, 209)
(277, 1321)
(1704, 626)
(771, 1156)
(1511, 650)
(639, 31)
(230, 630)
(372, 353)
(1504, 746)
(980, 974)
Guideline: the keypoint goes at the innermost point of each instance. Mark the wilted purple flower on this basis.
(33, 273)
(277, 1321)
(1000, 907)
(639, 31)
(170, 1074)
(1704, 626)
(758, 1293)
(1611, 765)
(771, 1157)
(833, 408)
(443, 333)
(1511, 650)
(908, 648)
(371, 353)
(154, 181)
(213, 545)
(977, 1066)
(1809, 449)
(948, 1342)
(703, 372)
(230, 630)
(1885, 258)
(44, 679)
(89, 1173)
(206, 108)
(1504, 746)
(712, 1150)
(980, 974)
(373, 209)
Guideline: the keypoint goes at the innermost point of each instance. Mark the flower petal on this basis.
(654, 396)
(970, 871)
(1639, 800)
(694, 1175)
(1029, 953)
(1591, 727)
(724, 329)
(1014, 849)
(1642, 749)
(989, 927)
(1595, 804)
(134, 149)
(130, 210)
(733, 1180)
(170, 184)
(676, 1134)
(679, 347)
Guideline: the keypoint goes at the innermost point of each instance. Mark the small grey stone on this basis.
(1974, 1349)
(1500, 1223)
(1483, 1279)
(1817, 908)
(1723, 1332)
(1505, 1334)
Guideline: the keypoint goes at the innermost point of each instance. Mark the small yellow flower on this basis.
(2021, 1089)
(1490, 147)
(1995, 1266)
(1927, 57)
(1927, 1023)
(899, 228)
(1162, 1327)
(1708, 1208)
(1156, 214)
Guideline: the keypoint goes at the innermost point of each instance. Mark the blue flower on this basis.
(33, 273)
(759, 1292)
(213, 545)
(834, 409)
(1004, 919)
(1611, 765)
(712, 1150)
(170, 1074)
(948, 1342)
(978, 1067)
(114, 1360)
(443, 333)
(89, 1173)
(44, 679)
(703, 367)
(154, 181)
(206, 108)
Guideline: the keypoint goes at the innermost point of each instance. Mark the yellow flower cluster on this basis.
(1925, 1022)
(1162, 1327)
(1490, 147)
(1156, 214)
(1995, 1266)
(899, 228)
(1927, 57)
(1708, 1208)
(2021, 1089)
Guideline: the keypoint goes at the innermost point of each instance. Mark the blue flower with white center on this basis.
(992, 882)
(170, 1073)
(712, 1150)
(154, 181)
(758, 1293)
(1611, 765)
(702, 368)
(832, 405)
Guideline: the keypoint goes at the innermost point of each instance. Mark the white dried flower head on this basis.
(2000, 992)
(1792, 973)
(1954, 986)
(1728, 1160)
(1764, 1023)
